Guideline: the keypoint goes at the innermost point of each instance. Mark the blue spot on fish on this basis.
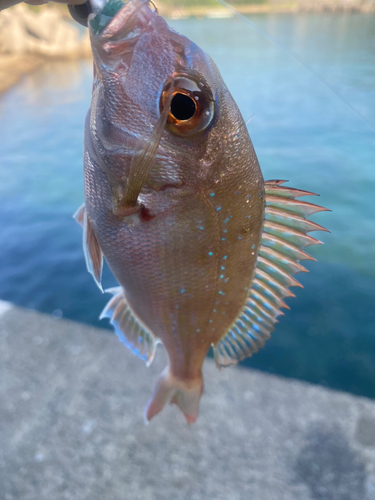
(240, 237)
(222, 276)
(201, 228)
(225, 230)
(248, 196)
(227, 219)
(248, 217)
(221, 293)
(218, 209)
(222, 268)
(197, 330)
(212, 194)
(210, 254)
(210, 320)
(182, 290)
(225, 257)
(253, 247)
(223, 239)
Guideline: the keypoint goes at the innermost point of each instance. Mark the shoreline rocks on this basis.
(28, 38)
(268, 6)
(45, 33)
(13, 67)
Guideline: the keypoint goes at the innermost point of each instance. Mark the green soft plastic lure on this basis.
(101, 20)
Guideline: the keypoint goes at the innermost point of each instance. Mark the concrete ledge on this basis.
(71, 427)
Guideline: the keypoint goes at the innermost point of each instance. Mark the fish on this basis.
(204, 250)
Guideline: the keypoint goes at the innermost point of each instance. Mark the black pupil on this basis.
(182, 107)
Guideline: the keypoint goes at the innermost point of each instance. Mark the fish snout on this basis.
(123, 22)
(103, 12)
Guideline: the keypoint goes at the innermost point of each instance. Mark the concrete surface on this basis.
(71, 427)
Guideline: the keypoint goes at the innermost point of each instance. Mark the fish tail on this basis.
(186, 394)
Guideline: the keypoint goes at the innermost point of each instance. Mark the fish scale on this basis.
(236, 236)
(203, 249)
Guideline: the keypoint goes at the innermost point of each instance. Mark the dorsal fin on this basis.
(128, 327)
(91, 248)
(284, 235)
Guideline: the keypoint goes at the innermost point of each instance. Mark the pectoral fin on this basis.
(91, 248)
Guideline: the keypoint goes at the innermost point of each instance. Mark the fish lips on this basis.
(119, 36)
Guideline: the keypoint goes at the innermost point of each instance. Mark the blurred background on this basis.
(301, 132)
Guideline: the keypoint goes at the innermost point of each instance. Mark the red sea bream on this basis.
(203, 249)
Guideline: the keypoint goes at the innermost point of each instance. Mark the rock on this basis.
(44, 33)
(14, 66)
(336, 5)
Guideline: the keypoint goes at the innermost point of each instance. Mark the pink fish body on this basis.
(203, 249)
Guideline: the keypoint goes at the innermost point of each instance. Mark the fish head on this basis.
(153, 85)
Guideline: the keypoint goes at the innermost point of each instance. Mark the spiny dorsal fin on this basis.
(130, 330)
(91, 248)
(284, 236)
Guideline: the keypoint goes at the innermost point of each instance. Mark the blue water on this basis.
(301, 132)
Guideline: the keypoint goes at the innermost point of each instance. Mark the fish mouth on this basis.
(115, 30)
(120, 21)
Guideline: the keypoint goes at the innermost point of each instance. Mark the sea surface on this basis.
(301, 131)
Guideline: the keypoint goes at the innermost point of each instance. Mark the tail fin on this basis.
(185, 394)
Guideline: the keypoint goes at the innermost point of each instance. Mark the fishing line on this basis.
(297, 59)
(250, 119)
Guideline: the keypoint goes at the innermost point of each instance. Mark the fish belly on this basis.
(186, 272)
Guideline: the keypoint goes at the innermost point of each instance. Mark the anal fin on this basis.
(130, 330)
(284, 235)
(91, 248)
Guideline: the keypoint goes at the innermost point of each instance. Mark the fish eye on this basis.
(191, 107)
